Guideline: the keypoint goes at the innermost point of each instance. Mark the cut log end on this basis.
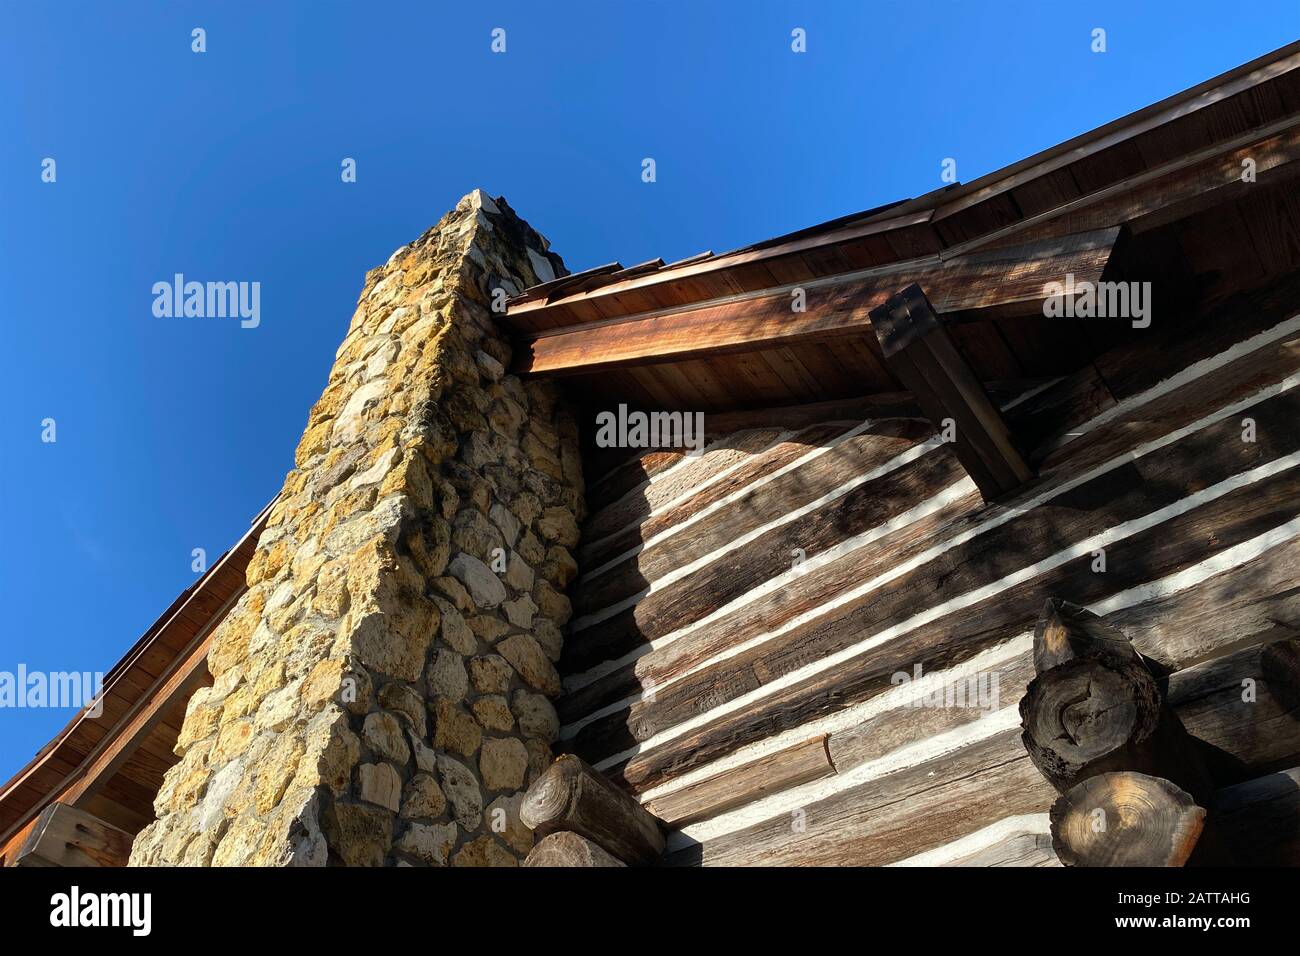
(572, 796)
(566, 849)
(548, 798)
(1125, 819)
(1089, 716)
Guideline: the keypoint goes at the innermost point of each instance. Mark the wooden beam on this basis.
(806, 761)
(66, 836)
(919, 351)
(1009, 281)
(572, 796)
(569, 849)
(1260, 819)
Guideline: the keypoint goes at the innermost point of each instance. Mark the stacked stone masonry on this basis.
(382, 693)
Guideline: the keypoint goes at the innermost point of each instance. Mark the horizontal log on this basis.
(690, 474)
(770, 506)
(1242, 709)
(572, 796)
(1011, 280)
(1181, 408)
(569, 849)
(832, 683)
(1019, 849)
(888, 818)
(769, 549)
(1248, 736)
(626, 525)
(786, 768)
(1171, 474)
(1259, 820)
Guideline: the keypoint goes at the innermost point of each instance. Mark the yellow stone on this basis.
(315, 440)
(232, 740)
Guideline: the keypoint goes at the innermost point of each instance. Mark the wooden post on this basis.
(66, 836)
(574, 797)
(1125, 819)
(569, 849)
(919, 351)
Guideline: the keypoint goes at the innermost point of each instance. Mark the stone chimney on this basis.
(381, 692)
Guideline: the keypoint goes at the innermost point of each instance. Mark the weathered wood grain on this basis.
(640, 501)
(66, 836)
(1008, 279)
(770, 502)
(672, 514)
(737, 571)
(565, 849)
(1096, 506)
(1125, 818)
(572, 796)
(944, 642)
(1066, 631)
(624, 633)
(1088, 716)
(892, 817)
(1260, 819)
(752, 614)
(1019, 849)
(789, 767)
(921, 354)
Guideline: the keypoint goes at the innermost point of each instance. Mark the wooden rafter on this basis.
(920, 352)
(1006, 281)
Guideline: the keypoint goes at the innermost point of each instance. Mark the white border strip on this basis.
(1189, 374)
(970, 598)
(672, 577)
(804, 459)
(1038, 824)
(937, 550)
(788, 800)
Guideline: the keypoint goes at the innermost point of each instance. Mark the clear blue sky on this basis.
(172, 433)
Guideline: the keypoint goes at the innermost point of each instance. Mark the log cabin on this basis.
(962, 563)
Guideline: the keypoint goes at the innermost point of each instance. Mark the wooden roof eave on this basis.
(943, 204)
(1010, 279)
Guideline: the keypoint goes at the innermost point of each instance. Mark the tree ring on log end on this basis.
(1125, 819)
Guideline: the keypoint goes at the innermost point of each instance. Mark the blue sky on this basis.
(172, 433)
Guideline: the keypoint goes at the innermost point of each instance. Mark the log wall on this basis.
(806, 645)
